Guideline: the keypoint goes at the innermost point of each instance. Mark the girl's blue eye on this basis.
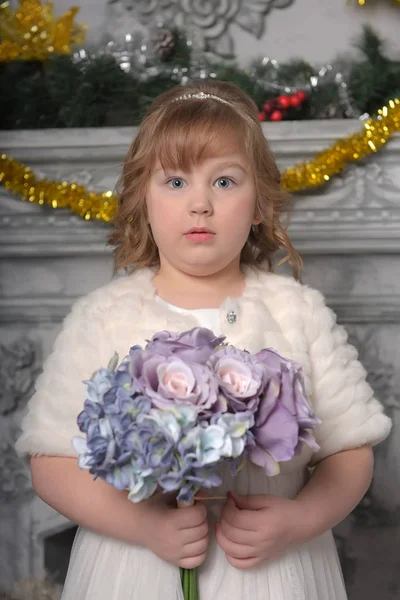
(225, 182)
(176, 183)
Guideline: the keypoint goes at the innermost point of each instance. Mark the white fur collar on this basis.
(268, 314)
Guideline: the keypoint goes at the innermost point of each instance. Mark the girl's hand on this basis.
(177, 535)
(253, 529)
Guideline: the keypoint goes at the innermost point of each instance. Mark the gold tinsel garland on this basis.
(375, 133)
(364, 2)
(32, 32)
(21, 181)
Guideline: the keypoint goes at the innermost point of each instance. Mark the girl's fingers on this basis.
(195, 548)
(239, 536)
(192, 516)
(229, 513)
(233, 549)
(241, 519)
(194, 534)
(243, 563)
(192, 561)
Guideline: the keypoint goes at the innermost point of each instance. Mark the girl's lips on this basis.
(199, 236)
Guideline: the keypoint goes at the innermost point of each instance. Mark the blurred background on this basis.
(75, 83)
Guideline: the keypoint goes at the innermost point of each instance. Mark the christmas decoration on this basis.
(376, 132)
(115, 85)
(376, 79)
(163, 42)
(288, 107)
(47, 86)
(364, 2)
(21, 181)
(127, 52)
(276, 116)
(325, 86)
(32, 32)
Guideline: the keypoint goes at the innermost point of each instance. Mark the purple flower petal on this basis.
(263, 459)
(195, 346)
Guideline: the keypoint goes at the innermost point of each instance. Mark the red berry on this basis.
(268, 107)
(276, 116)
(284, 101)
(301, 95)
(262, 116)
(295, 101)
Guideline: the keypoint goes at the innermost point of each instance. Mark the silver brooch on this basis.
(231, 317)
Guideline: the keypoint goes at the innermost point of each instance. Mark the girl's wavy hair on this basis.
(179, 133)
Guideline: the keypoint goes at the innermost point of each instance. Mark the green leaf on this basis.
(112, 365)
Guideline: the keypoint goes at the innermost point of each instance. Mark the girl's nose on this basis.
(201, 210)
(200, 203)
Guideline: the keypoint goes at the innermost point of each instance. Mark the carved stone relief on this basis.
(207, 23)
(18, 371)
(15, 483)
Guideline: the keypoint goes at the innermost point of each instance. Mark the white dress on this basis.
(105, 569)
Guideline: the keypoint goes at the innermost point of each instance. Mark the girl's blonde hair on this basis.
(179, 131)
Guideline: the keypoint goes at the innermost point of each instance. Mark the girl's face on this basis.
(201, 219)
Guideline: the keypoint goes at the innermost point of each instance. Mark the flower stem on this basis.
(190, 586)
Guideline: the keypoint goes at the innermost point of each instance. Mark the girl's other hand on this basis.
(177, 535)
(253, 529)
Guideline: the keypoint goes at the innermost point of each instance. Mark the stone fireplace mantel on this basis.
(348, 234)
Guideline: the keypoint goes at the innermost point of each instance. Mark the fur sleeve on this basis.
(342, 399)
(79, 350)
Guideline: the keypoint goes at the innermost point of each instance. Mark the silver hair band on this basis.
(201, 96)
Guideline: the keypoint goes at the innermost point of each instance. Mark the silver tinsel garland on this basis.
(147, 57)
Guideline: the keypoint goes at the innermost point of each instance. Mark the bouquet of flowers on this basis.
(168, 415)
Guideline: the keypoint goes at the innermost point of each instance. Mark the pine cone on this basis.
(162, 41)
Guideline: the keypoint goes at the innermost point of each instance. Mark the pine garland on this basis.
(94, 91)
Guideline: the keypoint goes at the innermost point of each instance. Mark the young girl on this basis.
(197, 227)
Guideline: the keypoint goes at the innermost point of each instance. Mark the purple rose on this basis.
(241, 377)
(284, 419)
(194, 346)
(168, 381)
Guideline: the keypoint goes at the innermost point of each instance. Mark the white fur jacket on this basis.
(274, 311)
